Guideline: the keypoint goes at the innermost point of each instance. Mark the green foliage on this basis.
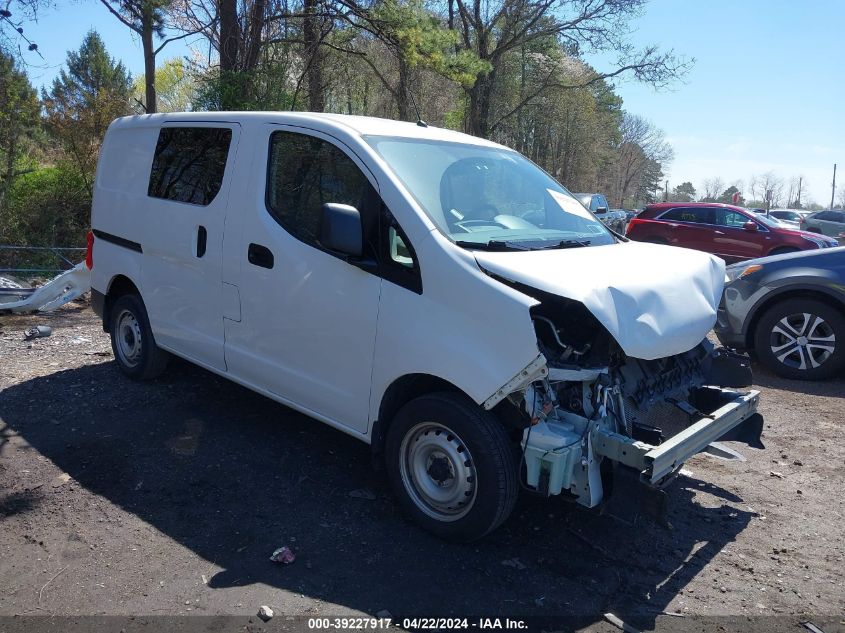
(684, 192)
(176, 88)
(50, 206)
(19, 124)
(84, 100)
(727, 196)
(423, 41)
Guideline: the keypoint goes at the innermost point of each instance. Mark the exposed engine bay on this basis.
(590, 408)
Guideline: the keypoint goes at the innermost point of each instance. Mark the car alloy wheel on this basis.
(802, 341)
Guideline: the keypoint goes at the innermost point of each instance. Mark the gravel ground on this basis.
(168, 498)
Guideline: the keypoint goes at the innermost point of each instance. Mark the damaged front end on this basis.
(590, 414)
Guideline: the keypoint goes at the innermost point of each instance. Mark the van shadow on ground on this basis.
(229, 474)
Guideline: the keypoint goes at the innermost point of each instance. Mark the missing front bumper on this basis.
(731, 415)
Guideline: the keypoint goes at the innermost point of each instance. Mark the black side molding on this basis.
(117, 240)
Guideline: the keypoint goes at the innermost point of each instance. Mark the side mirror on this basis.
(340, 229)
(750, 226)
(600, 210)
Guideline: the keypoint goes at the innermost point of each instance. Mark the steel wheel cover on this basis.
(438, 471)
(128, 339)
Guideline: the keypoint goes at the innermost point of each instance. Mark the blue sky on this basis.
(767, 92)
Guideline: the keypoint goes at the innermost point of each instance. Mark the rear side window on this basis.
(304, 173)
(726, 217)
(189, 164)
(830, 216)
(695, 215)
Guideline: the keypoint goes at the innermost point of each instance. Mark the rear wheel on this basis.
(802, 339)
(452, 466)
(132, 342)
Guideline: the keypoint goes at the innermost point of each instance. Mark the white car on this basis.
(789, 217)
(433, 294)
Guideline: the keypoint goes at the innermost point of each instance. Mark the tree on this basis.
(649, 184)
(84, 100)
(19, 119)
(417, 40)
(146, 18)
(684, 192)
(642, 143)
(13, 16)
(175, 87)
(494, 29)
(726, 197)
(712, 188)
(767, 182)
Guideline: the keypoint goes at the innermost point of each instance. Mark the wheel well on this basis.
(399, 393)
(784, 296)
(120, 285)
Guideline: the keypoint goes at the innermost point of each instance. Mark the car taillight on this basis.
(89, 253)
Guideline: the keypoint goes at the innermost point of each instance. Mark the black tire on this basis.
(785, 321)
(418, 434)
(132, 342)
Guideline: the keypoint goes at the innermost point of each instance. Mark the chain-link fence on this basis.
(38, 261)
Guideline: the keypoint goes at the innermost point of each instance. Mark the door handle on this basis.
(260, 256)
(202, 240)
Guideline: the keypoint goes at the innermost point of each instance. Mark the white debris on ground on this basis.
(60, 290)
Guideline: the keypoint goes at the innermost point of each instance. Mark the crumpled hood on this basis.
(655, 300)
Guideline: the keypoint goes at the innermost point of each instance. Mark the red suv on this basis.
(732, 233)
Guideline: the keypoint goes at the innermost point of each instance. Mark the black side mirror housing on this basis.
(751, 225)
(600, 210)
(341, 230)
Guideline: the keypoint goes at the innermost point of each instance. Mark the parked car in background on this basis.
(615, 219)
(788, 216)
(777, 221)
(830, 222)
(733, 233)
(790, 310)
(630, 214)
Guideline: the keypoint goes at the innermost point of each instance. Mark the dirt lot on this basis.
(169, 497)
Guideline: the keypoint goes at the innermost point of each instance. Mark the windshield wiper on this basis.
(526, 245)
(568, 244)
(494, 245)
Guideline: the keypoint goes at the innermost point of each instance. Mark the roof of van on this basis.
(360, 125)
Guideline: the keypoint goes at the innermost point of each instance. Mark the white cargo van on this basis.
(433, 294)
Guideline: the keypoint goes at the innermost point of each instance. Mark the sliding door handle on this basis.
(202, 240)
(260, 256)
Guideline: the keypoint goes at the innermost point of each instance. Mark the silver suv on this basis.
(830, 222)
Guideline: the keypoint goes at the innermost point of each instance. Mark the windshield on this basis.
(489, 197)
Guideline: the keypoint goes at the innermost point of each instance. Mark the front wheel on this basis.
(801, 338)
(451, 465)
